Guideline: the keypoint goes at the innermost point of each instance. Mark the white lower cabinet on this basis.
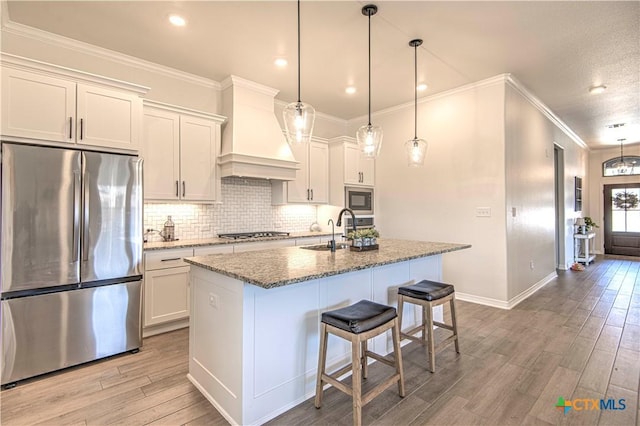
(166, 290)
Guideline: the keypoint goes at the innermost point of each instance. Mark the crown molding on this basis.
(21, 30)
(498, 79)
(507, 79)
(540, 106)
(182, 110)
(32, 65)
(234, 80)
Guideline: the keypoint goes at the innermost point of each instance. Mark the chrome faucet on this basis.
(353, 216)
(332, 243)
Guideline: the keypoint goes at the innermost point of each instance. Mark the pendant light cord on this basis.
(369, 15)
(298, 51)
(415, 91)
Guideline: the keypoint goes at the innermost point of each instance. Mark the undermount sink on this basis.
(324, 247)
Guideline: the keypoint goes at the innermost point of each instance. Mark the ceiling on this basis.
(556, 49)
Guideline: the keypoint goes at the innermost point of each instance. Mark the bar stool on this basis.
(358, 323)
(429, 294)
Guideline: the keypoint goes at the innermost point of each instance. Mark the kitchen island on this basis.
(254, 323)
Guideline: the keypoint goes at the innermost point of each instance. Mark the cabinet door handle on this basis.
(177, 189)
(170, 260)
(70, 127)
(184, 188)
(81, 128)
(312, 195)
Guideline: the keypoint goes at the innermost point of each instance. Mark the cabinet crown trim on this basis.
(32, 65)
(341, 140)
(182, 110)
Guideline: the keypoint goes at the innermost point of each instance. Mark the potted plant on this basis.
(363, 237)
(589, 223)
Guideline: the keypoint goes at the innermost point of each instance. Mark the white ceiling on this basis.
(556, 49)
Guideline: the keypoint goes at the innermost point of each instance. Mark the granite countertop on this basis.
(161, 245)
(289, 265)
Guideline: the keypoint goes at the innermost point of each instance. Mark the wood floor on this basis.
(578, 337)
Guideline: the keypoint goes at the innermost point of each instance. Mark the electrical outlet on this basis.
(483, 211)
(213, 300)
(531, 265)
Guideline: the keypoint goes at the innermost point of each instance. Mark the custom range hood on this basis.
(253, 144)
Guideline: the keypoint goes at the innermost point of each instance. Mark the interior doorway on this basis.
(559, 203)
(622, 219)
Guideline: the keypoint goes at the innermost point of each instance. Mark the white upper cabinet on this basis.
(107, 118)
(311, 184)
(37, 106)
(348, 168)
(161, 153)
(40, 105)
(357, 169)
(180, 148)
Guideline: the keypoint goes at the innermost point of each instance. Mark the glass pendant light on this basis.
(622, 167)
(416, 148)
(298, 116)
(369, 137)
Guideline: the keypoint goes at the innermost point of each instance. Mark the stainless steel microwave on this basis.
(360, 200)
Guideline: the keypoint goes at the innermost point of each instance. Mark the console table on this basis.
(581, 250)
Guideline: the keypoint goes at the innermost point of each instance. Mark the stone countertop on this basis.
(283, 266)
(161, 245)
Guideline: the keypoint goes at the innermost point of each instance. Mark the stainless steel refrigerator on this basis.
(71, 258)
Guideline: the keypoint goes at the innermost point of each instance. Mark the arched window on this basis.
(622, 166)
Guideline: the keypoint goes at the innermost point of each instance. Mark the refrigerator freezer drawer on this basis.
(52, 331)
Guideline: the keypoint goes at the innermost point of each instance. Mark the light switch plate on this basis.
(483, 211)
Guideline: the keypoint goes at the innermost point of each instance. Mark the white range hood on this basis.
(253, 144)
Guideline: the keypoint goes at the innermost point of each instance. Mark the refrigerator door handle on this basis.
(77, 200)
(85, 219)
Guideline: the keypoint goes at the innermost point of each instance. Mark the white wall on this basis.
(530, 190)
(464, 169)
(596, 186)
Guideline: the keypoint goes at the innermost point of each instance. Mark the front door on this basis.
(622, 219)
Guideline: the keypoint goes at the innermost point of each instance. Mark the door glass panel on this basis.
(625, 210)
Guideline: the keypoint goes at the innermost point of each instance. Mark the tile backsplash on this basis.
(246, 206)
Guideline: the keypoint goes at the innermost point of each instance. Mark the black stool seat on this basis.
(360, 317)
(427, 290)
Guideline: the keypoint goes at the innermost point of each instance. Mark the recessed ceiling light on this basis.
(281, 62)
(422, 87)
(350, 90)
(177, 20)
(594, 90)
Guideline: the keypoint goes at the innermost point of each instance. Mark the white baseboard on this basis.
(502, 304)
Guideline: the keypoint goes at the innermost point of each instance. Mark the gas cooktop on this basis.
(248, 235)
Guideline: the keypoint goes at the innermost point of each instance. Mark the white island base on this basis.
(253, 352)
